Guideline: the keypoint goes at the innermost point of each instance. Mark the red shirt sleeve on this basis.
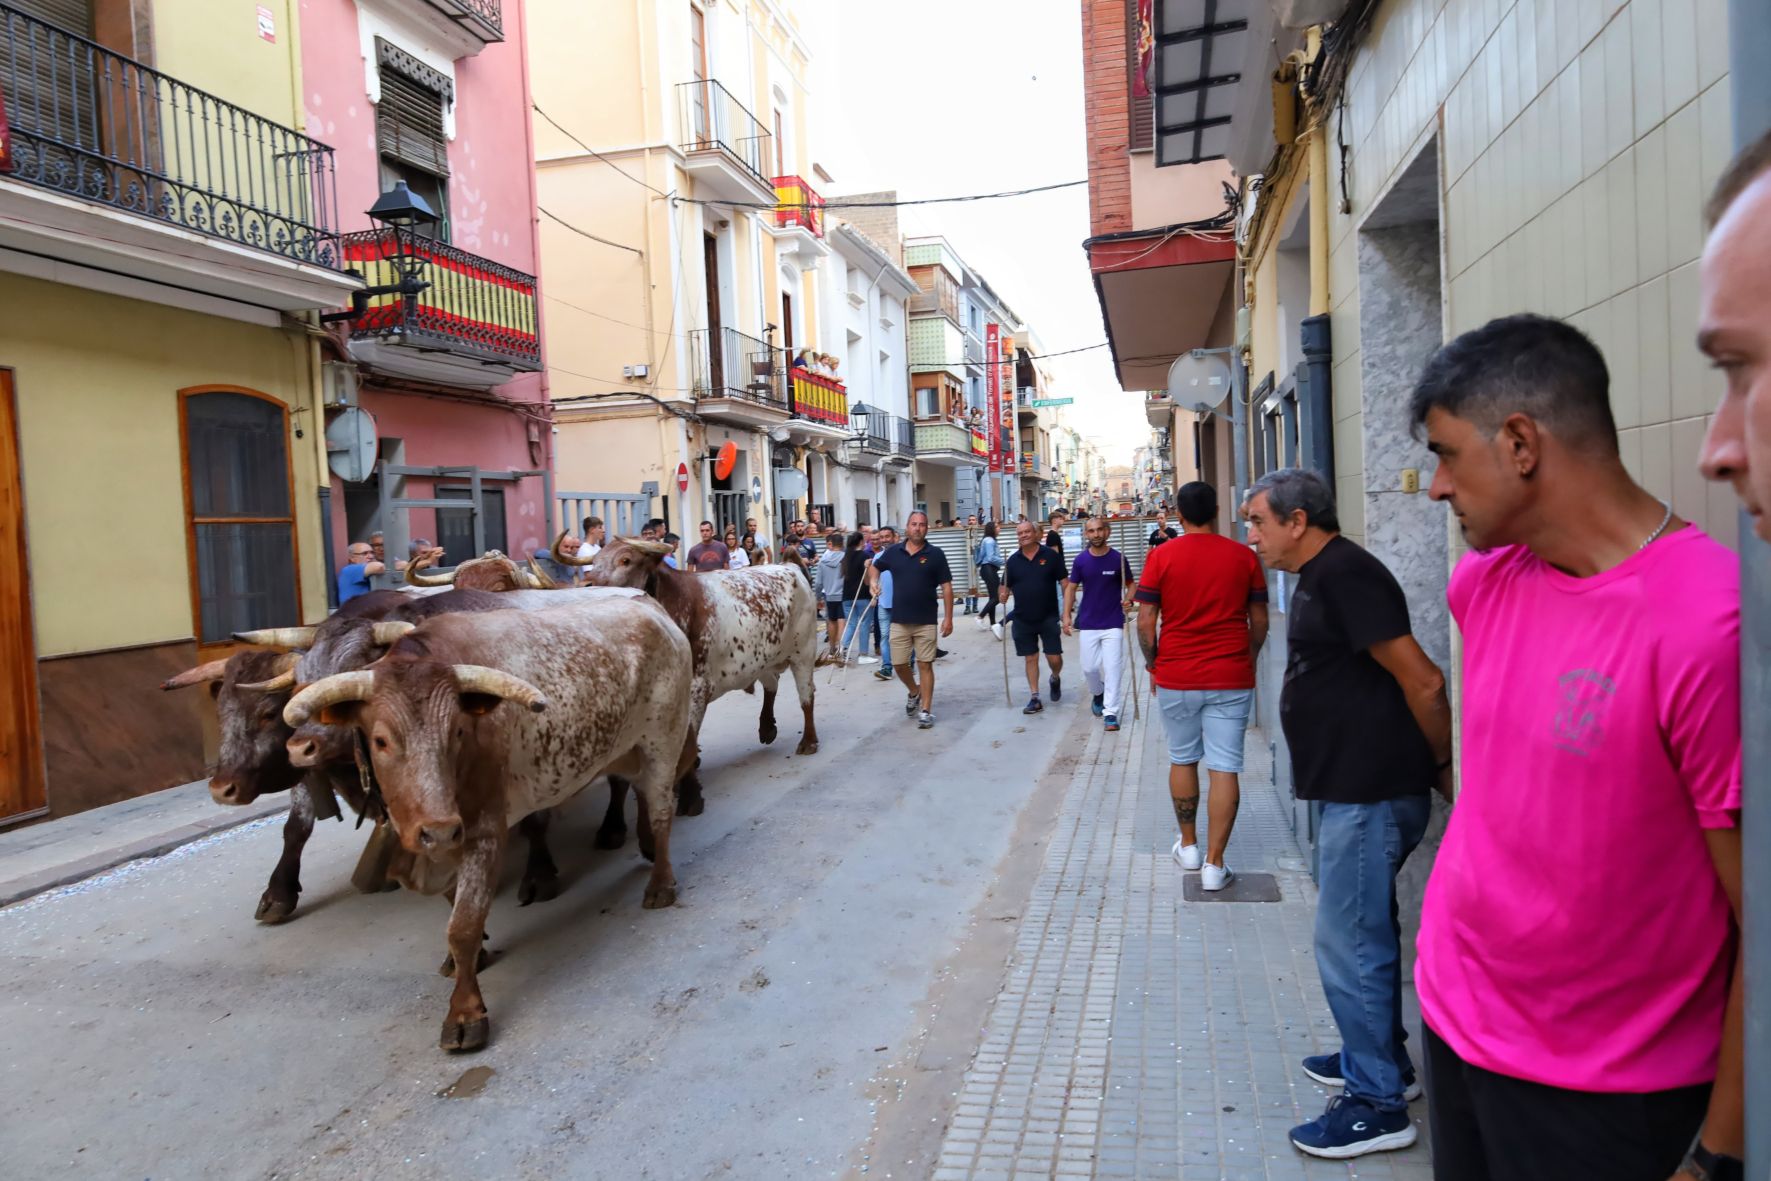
(1150, 585)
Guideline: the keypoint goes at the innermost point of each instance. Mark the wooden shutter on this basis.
(51, 77)
(73, 15)
(1142, 107)
(409, 117)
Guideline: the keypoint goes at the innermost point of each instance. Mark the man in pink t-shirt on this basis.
(1578, 939)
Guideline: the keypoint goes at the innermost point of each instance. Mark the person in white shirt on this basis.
(738, 559)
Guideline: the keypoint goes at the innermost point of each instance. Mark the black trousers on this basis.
(992, 581)
(1490, 1127)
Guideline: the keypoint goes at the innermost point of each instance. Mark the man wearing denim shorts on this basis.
(1210, 596)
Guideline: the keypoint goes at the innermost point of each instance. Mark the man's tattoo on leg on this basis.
(1187, 809)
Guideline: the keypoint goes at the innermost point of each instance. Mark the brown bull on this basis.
(490, 572)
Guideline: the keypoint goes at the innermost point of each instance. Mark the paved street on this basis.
(823, 1001)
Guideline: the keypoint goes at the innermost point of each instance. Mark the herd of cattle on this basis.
(448, 713)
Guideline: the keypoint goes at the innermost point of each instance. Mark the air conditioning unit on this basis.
(339, 382)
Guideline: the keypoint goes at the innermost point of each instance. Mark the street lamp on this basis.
(403, 213)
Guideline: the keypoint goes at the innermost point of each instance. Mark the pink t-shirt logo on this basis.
(1580, 721)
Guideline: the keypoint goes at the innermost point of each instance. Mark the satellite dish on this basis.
(728, 459)
(790, 483)
(1195, 380)
(351, 445)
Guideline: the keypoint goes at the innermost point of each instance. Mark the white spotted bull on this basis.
(475, 721)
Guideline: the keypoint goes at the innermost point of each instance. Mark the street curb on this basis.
(158, 845)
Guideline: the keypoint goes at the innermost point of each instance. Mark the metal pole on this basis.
(479, 512)
(1749, 43)
(326, 548)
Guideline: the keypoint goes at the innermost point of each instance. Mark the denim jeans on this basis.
(884, 615)
(1359, 938)
(852, 610)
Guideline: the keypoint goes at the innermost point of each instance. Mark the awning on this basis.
(1200, 49)
(1161, 290)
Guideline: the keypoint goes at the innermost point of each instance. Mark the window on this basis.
(780, 145)
(698, 97)
(240, 515)
(455, 525)
(409, 129)
(928, 402)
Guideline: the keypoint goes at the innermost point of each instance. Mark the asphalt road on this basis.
(803, 1011)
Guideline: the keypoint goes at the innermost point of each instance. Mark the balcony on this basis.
(882, 435)
(725, 147)
(799, 222)
(139, 179)
(949, 443)
(943, 301)
(461, 28)
(474, 326)
(1158, 408)
(820, 407)
(737, 378)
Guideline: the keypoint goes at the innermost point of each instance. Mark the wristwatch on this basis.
(1705, 1165)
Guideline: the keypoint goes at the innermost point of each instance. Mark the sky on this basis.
(938, 98)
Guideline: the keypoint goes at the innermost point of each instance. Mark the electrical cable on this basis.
(606, 160)
(842, 204)
(545, 212)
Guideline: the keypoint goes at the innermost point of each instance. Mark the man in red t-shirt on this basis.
(1211, 597)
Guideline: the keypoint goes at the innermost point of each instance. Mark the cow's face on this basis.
(430, 728)
(630, 564)
(253, 759)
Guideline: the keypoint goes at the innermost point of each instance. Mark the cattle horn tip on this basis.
(571, 559)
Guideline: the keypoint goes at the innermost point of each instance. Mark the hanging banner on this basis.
(992, 365)
(1145, 40)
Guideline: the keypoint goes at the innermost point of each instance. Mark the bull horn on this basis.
(477, 678)
(285, 678)
(279, 637)
(388, 632)
(213, 671)
(540, 578)
(655, 549)
(354, 686)
(414, 578)
(571, 559)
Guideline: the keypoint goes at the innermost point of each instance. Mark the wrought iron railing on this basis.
(484, 18)
(873, 430)
(799, 205)
(713, 120)
(473, 306)
(729, 364)
(903, 436)
(104, 128)
(820, 398)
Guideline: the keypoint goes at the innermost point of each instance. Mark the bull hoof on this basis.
(464, 1034)
(539, 888)
(272, 911)
(806, 747)
(659, 897)
(766, 734)
(610, 838)
(691, 806)
(448, 965)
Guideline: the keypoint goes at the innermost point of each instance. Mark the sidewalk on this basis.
(1141, 1035)
(56, 853)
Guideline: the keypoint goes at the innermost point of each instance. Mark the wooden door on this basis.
(21, 743)
(715, 338)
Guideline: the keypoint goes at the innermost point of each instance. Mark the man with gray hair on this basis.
(1365, 714)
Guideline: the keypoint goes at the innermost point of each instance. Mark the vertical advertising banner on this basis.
(992, 366)
(1144, 38)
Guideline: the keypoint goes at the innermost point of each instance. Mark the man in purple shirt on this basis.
(1105, 578)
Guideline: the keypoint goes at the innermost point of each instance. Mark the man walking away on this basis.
(1577, 1024)
(918, 569)
(885, 537)
(1365, 714)
(1162, 532)
(1209, 596)
(1105, 578)
(1032, 575)
(711, 554)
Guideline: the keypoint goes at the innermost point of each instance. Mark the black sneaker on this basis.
(1057, 688)
(1326, 1069)
(940, 652)
(1033, 706)
(1099, 705)
(912, 704)
(1352, 1127)
(882, 674)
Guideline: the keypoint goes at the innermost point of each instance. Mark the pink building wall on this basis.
(492, 200)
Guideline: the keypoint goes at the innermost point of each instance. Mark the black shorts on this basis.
(1491, 1127)
(832, 608)
(1028, 636)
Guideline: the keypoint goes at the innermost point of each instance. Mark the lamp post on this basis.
(403, 213)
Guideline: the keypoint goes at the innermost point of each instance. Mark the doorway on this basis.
(787, 325)
(715, 362)
(21, 743)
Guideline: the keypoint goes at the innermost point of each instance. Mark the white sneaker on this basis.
(868, 660)
(1186, 856)
(982, 623)
(1215, 877)
(996, 630)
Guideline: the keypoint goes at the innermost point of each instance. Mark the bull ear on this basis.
(479, 704)
(339, 713)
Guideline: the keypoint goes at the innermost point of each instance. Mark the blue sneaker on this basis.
(1099, 705)
(1112, 723)
(1057, 687)
(1326, 1069)
(1033, 706)
(1352, 1127)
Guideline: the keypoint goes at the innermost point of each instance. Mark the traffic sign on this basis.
(682, 477)
(1053, 401)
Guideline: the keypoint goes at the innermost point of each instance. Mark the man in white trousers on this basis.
(1104, 577)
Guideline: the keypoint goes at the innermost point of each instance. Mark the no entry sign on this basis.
(682, 477)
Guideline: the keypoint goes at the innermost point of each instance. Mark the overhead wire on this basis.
(600, 156)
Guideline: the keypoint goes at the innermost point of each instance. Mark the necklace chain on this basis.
(1665, 520)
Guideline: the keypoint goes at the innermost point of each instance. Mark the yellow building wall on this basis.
(217, 47)
(1579, 140)
(97, 380)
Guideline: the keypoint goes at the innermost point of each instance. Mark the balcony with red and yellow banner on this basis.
(799, 222)
(821, 399)
(475, 325)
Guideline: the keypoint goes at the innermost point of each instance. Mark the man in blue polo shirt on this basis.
(918, 570)
(353, 579)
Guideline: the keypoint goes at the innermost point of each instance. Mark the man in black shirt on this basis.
(1034, 573)
(1365, 714)
(1054, 537)
(1162, 532)
(918, 570)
